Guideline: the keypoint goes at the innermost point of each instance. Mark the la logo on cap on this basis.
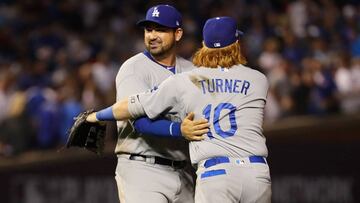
(155, 13)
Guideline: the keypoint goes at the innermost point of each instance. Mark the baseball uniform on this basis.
(144, 172)
(231, 161)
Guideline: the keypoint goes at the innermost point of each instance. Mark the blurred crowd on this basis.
(58, 58)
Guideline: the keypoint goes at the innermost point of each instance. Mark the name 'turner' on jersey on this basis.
(217, 85)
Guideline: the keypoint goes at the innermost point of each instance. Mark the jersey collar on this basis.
(223, 69)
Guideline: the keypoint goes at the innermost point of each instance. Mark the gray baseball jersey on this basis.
(231, 99)
(140, 74)
(231, 163)
(164, 184)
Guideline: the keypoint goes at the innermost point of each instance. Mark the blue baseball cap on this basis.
(220, 32)
(164, 15)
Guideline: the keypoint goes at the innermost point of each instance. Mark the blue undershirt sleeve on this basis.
(160, 127)
(105, 114)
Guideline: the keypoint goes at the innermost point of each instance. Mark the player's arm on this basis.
(160, 127)
(117, 112)
(128, 83)
(188, 128)
(166, 98)
(121, 110)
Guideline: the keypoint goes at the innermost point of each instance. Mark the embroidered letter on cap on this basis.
(155, 13)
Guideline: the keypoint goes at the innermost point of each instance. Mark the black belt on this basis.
(159, 160)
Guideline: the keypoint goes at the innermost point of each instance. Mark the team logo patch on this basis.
(132, 99)
(217, 44)
(240, 161)
(154, 89)
(155, 13)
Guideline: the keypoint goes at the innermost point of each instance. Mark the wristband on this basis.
(105, 115)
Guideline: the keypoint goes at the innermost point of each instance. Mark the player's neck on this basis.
(169, 61)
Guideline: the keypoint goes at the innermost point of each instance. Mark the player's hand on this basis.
(91, 118)
(194, 130)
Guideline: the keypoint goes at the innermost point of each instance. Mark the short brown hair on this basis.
(214, 57)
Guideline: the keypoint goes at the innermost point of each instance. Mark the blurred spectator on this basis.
(322, 98)
(347, 81)
(57, 58)
(103, 72)
(69, 106)
(292, 50)
(355, 72)
(270, 56)
(298, 15)
(6, 83)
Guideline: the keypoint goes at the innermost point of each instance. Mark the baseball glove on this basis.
(90, 136)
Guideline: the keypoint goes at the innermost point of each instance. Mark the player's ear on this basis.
(178, 34)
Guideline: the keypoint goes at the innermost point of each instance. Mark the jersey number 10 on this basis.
(232, 119)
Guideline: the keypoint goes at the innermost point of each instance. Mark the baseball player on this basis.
(231, 160)
(153, 168)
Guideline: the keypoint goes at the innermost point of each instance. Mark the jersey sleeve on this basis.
(162, 100)
(128, 83)
(264, 84)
